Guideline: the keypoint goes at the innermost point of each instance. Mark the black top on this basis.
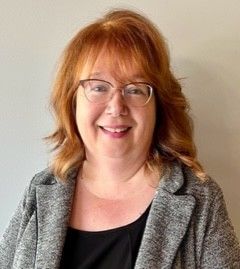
(110, 249)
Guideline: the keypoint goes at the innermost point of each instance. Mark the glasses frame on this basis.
(122, 88)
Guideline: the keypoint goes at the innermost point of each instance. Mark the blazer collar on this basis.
(167, 222)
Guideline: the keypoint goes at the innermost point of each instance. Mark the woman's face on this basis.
(99, 124)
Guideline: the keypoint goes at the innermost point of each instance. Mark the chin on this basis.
(113, 153)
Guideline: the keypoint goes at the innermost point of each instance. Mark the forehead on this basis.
(111, 63)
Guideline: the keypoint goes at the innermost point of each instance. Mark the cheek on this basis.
(82, 116)
(153, 113)
(146, 123)
(150, 117)
(86, 115)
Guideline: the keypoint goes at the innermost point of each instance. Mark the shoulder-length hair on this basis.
(128, 37)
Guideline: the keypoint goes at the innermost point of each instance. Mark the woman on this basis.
(125, 189)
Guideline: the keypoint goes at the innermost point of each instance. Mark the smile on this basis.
(115, 132)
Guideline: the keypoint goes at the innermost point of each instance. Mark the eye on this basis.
(136, 90)
(98, 88)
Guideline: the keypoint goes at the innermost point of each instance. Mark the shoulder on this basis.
(181, 180)
(44, 187)
(44, 177)
(47, 177)
(192, 184)
(210, 205)
(40, 179)
(207, 190)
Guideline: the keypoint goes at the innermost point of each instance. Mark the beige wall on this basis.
(204, 41)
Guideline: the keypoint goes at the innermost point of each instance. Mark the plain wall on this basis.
(204, 41)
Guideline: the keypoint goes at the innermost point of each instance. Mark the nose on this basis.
(116, 106)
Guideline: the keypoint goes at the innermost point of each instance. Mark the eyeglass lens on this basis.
(98, 91)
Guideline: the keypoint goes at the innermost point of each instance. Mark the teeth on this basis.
(115, 130)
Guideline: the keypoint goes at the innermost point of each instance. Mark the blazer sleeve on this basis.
(12, 235)
(220, 247)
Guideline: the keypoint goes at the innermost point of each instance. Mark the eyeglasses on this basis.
(100, 91)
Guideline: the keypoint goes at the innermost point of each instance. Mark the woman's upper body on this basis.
(187, 226)
(121, 122)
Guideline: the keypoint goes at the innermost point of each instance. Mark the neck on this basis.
(118, 170)
(115, 175)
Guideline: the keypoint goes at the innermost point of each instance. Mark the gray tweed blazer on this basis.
(187, 227)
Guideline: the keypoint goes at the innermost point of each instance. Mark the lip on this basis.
(115, 134)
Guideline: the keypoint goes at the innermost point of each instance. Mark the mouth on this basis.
(115, 132)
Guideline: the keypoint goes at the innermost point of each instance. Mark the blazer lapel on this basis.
(53, 210)
(167, 224)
